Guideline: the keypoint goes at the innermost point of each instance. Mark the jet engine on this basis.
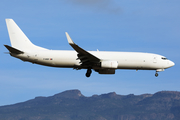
(109, 64)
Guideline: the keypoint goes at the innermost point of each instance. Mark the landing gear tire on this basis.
(156, 74)
(88, 73)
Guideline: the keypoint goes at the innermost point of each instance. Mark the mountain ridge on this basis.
(73, 105)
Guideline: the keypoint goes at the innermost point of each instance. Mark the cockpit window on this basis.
(164, 58)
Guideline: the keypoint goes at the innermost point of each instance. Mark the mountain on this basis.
(72, 105)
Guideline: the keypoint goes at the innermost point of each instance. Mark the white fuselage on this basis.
(126, 60)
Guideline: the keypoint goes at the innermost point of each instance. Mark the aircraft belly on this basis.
(65, 63)
(141, 64)
(59, 62)
(135, 64)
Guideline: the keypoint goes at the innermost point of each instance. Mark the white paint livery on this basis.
(100, 61)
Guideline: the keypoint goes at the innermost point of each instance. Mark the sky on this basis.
(151, 26)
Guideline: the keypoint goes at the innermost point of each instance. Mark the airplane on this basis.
(103, 62)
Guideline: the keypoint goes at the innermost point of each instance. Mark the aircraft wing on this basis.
(85, 57)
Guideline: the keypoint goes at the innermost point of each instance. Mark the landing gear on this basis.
(156, 74)
(88, 73)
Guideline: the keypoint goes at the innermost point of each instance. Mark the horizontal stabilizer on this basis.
(13, 50)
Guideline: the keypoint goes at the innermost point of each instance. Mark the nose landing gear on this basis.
(156, 74)
(88, 73)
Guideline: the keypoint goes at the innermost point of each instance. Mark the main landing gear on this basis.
(88, 73)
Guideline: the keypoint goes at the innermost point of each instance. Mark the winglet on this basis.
(69, 38)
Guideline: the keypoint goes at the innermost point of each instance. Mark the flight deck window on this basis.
(164, 58)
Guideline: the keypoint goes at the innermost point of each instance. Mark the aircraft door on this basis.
(155, 59)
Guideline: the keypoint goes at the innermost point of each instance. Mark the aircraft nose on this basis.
(171, 63)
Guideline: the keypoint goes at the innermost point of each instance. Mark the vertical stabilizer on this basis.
(18, 39)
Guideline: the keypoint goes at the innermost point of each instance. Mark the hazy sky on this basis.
(114, 25)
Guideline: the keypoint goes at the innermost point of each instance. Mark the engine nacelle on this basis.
(109, 64)
(106, 71)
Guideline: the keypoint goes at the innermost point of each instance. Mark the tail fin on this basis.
(18, 39)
